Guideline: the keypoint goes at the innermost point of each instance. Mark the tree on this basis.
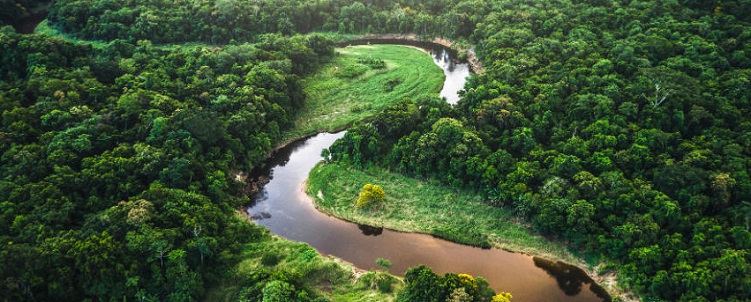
(422, 284)
(370, 194)
(278, 291)
(459, 294)
(502, 297)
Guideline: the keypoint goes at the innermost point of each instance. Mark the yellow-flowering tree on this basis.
(502, 297)
(370, 194)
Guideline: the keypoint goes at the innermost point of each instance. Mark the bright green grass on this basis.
(412, 205)
(328, 277)
(333, 101)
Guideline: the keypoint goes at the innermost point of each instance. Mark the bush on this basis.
(384, 284)
(372, 63)
(352, 71)
(269, 259)
(370, 194)
(464, 236)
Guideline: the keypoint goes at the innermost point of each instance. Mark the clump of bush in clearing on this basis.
(370, 194)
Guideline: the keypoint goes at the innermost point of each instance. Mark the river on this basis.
(286, 210)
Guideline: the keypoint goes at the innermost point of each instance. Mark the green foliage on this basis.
(462, 234)
(616, 126)
(270, 259)
(278, 291)
(422, 284)
(383, 263)
(229, 21)
(373, 63)
(120, 177)
(352, 71)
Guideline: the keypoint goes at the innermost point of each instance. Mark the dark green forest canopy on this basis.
(117, 177)
(15, 10)
(620, 126)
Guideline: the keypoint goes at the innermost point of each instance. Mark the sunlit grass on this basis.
(334, 101)
(414, 205)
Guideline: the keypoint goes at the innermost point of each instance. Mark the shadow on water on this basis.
(570, 278)
(369, 230)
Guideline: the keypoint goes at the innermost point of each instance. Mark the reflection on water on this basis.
(369, 230)
(570, 278)
(456, 73)
(260, 215)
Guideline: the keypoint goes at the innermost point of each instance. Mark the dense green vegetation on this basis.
(14, 10)
(361, 81)
(117, 177)
(619, 126)
(422, 284)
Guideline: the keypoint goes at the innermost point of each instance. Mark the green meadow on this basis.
(362, 80)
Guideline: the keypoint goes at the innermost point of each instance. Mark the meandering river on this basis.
(286, 210)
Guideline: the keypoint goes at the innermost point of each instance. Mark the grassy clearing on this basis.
(273, 256)
(349, 89)
(412, 205)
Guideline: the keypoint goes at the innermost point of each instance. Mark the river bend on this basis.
(284, 208)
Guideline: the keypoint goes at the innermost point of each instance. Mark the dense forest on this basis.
(621, 127)
(118, 161)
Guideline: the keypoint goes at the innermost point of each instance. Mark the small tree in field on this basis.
(370, 194)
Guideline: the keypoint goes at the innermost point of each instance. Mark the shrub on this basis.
(370, 194)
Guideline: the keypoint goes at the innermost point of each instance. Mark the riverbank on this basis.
(319, 275)
(417, 206)
(465, 51)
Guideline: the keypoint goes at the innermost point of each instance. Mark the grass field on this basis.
(413, 205)
(348, 89)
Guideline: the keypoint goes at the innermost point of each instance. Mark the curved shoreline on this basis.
(606, 281)
(474, 63)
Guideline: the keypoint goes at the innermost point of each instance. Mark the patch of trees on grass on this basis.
(117, 161)
(422, 284)
(619, 127)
